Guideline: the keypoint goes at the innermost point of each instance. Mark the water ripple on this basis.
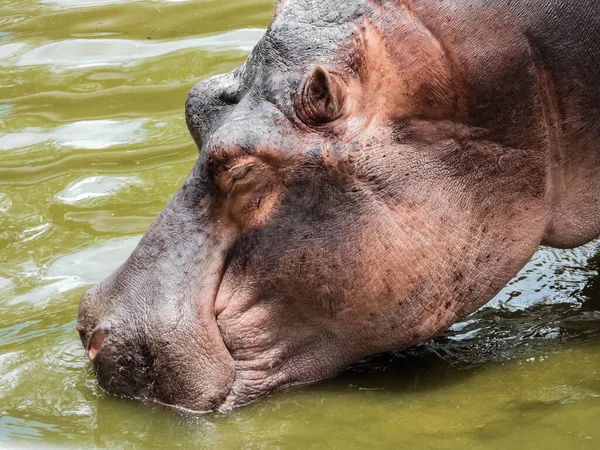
(13, 427)
(94, 3)
(83, 191)
(80, 53)
(5, 203)
(92, 265)
(34, 233)
(542, 280)
(87, 135)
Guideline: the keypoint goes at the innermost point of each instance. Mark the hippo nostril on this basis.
(97, 339)
(96, 342)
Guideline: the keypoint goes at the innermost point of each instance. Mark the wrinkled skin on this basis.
(371, 174)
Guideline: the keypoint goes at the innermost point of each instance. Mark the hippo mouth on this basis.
(143, 377)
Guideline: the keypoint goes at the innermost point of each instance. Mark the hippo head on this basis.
(347, 200)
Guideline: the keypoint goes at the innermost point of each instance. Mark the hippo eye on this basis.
(323, 99)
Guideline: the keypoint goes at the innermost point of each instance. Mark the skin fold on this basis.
(371, 174)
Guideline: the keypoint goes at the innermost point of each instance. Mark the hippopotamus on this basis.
(375, 171)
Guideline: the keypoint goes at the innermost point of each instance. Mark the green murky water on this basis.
(92, 146)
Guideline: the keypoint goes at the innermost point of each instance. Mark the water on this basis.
(93, 144)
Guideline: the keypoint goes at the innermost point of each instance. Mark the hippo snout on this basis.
(127, 357)
(118, 351)
(149, 329)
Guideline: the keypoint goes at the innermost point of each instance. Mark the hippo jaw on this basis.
(341, 205)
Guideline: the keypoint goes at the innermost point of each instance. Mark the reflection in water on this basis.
(98, 134)
(552, 276)
(11, 49)
(5, 203)
(5, 110)
(23, 429)
(83, 268)
(94, 188)
(4, 284)
(33, 233)
(88, 135)
(79, 53)
(591, 291)
(92, 3)
(22, 139)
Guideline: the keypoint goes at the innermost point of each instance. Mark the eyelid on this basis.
(228, 178)
(237, 176)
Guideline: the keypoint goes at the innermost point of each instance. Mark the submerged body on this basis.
(369, 176)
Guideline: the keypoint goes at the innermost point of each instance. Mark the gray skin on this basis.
(375, 171)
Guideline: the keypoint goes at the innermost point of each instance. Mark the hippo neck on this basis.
(534, 89)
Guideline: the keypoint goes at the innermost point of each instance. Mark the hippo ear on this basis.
(324, 96)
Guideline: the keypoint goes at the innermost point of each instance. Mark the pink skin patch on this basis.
(96, 342)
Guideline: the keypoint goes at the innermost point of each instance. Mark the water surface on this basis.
(93, 144)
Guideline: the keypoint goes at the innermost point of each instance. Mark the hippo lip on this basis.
(225, 268)
(217, 308)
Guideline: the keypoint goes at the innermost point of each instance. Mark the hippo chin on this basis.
(375, 171)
